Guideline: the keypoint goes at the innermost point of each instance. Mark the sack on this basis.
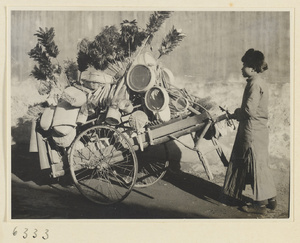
(63, 130)
(64, 141)
(65, 114)
(74, 96)
(47, 117)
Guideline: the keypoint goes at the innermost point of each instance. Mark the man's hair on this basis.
(256, 60)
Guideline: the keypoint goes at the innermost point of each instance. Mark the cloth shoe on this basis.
(272, 204)
(255, 209)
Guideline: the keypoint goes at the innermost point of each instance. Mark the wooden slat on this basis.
(179, 125)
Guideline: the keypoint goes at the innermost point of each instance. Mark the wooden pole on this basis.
(205, 165)
(43, 154)
(200, 155)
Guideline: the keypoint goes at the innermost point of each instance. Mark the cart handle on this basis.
(225, 116)
(221, 118)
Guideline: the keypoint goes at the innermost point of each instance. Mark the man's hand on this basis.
(231, 115)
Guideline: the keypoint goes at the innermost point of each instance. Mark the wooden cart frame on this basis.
(103, 162)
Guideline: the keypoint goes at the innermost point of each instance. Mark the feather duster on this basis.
(171, 40)
(131, 36)
(83, 57)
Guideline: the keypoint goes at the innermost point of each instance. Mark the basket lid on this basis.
(97, 76)
(156, 99)
(167, 76)
(140, 78)
(138, 120)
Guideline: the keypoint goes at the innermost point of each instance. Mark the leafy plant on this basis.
(172, 39)
(43, 53)
(155, 21)
(112, 45)
(105, 48)
(71, 68)
(46, 39)
(131, 37)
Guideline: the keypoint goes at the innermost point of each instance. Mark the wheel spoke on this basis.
(85, 169)
(117, 179)
(109, 164)
(150, 172)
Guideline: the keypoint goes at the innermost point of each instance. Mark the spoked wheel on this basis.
(150, 171)
(103, 164)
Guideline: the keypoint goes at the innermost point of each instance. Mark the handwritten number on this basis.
(15, 232)
(46, 235)
(35, 235)
(25, 235)
(25, 232)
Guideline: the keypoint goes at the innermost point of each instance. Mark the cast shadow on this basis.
(203, 189)
(24, 164)
(199, 187)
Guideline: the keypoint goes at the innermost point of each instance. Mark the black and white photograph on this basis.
(150, 114)
(161, 115)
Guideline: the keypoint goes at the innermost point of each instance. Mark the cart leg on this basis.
(205, 165)
(220, 151)
(200, 155)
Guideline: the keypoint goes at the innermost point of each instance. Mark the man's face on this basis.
(247, 71)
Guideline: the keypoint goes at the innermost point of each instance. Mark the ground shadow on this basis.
(202, 188)
(26, 166)
(21, 133)
(29, 202)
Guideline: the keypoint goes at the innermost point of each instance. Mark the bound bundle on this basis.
(100, 96)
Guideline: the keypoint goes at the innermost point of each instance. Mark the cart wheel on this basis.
(103, 164)
(150, 172)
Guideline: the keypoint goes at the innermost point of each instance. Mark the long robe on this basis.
(249, 158)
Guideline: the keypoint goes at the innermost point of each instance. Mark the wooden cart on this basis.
(103, 160)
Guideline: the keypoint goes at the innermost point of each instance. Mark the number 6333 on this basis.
(35, 233)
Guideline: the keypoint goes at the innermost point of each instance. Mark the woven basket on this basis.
(93, 79)
(91, 84)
